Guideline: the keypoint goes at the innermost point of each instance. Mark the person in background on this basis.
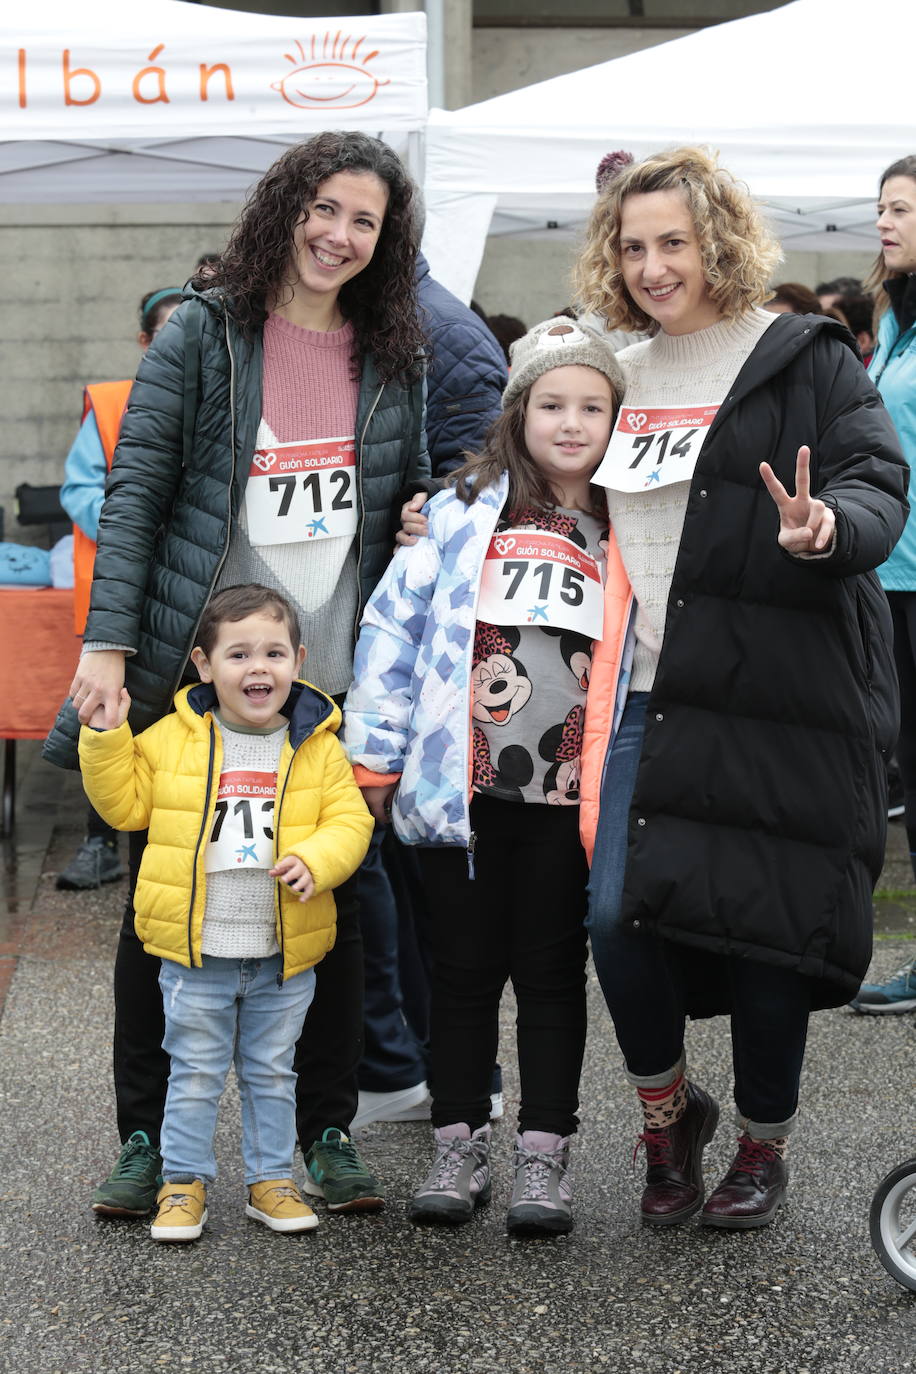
(859, 312)
(506, 329)
(466, 374)
(85, 472)
(829, 292)
(893, 371)
(304, 343)
(791, 298)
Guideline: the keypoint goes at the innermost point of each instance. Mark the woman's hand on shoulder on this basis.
(98, 684)
(806, 525)
(413, 524)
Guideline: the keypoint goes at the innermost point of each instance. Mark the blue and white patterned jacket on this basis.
(408, 710)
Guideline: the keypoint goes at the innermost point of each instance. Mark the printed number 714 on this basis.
(644, 442)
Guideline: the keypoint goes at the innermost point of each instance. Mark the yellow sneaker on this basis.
(278, 1203)
(182, 1211)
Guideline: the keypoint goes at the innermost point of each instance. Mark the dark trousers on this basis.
(645, 979)
(97, 829)
(327, 1054)
(521, 917)
(903, 613)
(393, 1056)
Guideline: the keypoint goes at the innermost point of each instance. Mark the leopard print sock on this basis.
(663, 1106)
(780, 1145)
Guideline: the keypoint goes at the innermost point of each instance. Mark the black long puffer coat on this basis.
(759, 815)
(177, 484)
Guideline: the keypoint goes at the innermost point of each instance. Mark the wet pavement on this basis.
(373, 1294)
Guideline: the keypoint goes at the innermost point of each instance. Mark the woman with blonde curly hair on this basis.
(754, 483)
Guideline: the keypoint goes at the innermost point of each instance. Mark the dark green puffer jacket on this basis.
(176, 487)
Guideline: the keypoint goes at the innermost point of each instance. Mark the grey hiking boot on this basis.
(542, 1196)
(458, 1180)
(94, 863)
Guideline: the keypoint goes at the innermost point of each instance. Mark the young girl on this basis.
(491, 620)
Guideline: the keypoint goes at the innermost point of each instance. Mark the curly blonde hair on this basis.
(738, 251)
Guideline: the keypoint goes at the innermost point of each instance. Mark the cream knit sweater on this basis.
(670, 370)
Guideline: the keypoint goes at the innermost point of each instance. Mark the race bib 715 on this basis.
(533, 578)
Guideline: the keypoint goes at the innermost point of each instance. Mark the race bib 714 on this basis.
(654, 446)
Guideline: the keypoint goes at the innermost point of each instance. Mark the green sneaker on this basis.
(130, 1189)
(334, 1171)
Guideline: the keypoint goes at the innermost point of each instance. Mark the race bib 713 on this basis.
(242, 834)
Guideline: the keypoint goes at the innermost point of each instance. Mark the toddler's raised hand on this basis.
(294, 873)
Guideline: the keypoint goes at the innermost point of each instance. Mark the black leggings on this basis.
(522, 917)
(903, 613)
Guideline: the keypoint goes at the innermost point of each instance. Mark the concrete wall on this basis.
(72, 283)
(506, 59)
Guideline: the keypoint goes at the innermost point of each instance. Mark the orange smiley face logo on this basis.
(328, 77)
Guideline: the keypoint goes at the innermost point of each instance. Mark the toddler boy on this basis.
(253, 819)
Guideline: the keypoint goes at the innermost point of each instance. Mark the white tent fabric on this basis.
(774, 93)
(164, 101)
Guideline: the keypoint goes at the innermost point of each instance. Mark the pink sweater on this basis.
(307, 393)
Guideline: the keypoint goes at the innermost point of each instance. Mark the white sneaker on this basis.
(407, 1104)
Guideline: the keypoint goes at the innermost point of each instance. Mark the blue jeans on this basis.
(231, 1011)
(645, 978)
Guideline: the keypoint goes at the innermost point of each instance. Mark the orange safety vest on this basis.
(107, 401)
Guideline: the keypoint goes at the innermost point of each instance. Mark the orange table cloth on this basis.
(38, 653)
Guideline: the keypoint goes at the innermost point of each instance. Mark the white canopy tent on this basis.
(811, 146)
(106, 101)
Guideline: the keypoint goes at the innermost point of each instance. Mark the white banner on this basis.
(110, 70)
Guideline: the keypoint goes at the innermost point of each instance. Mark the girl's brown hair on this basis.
(879, 274)
(381, 300)
(738, 252)
(505, 451)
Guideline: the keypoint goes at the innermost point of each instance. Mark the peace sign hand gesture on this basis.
(806, 525)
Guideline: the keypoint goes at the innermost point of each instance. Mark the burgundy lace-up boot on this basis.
(674, 1162)
(752, 1191)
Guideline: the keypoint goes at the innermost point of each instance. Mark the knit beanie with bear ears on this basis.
(560, 342)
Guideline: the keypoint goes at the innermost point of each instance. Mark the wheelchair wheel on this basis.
(892, 1224)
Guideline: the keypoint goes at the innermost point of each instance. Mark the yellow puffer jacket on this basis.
(166, 780)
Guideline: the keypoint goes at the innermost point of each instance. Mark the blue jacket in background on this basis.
(893, 371)
(466, 377)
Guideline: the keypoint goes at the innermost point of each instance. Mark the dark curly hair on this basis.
(381, 301)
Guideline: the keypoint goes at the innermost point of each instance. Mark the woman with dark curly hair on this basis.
(270, 431)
